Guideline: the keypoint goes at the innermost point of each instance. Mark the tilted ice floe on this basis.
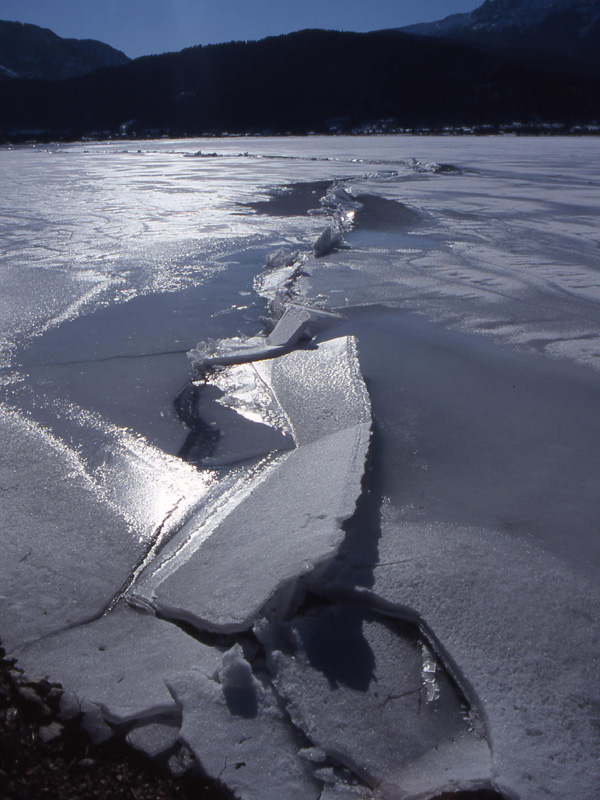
(291, 320)
(227, 562)
(374, 677)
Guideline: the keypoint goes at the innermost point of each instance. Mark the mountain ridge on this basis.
(568, 28)
(277, 85)
(35, 53)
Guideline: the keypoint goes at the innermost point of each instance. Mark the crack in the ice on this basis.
(303, 737)
(30, 367)
(156, 541)
(400, 696)
(370, 600)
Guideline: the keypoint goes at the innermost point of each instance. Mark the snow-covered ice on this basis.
(244, 737)
(393, 594)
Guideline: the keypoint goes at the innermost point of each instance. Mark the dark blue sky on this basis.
(141, 27)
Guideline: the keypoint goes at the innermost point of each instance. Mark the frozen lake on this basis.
(236, 573)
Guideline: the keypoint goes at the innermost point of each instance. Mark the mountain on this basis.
(27, 51)
(306, 81)
(568, 28)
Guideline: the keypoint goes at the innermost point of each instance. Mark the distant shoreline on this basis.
(509, 129)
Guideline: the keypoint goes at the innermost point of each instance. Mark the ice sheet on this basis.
(65, 551)
(484, 459)
(120, 664)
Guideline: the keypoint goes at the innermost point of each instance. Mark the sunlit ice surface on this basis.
(471, 280)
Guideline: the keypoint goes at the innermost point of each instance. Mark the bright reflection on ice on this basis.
(228, 494)
(247, 393)
(152, 490)
(430, 668)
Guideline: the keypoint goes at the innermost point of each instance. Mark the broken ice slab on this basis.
(66, 548)
(289, 522)
(268, 283)
(302, 321)
(290, 328)
(296, 320)
(155, 739)
(279, 302)
(367, 672)
(282, 257)
(119, 664)
(245, 391)
(327, 241)
(236, 350)
(343, 205)
(275, 526)
(337, 197)
(239, 734)
(321, 391)
(282, 267)
(518, 628)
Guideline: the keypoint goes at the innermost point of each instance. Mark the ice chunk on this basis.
(312, 319)
(282, 257)
(119, 665)
(279, 302)
(241, 736)
(367, 671)
(154, 739)
(339, 198)
(246, 392)
(94, 723)
(282, 268)
(328, 240)
(237, 350)
(270, 282)
(236, 673)
(65, 551)
(300, 319)
(343, 207)
(291, 327)
(314, 754)
(275, 527)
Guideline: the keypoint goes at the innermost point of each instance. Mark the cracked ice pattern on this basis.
(478, 515)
